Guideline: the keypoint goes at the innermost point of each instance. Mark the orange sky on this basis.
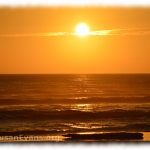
(125, 49)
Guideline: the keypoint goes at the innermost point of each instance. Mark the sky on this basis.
(39, 40)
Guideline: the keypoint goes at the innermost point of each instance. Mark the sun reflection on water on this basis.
(82, 107)
(85, 126)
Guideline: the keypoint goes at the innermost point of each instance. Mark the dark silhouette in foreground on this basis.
(120, 136)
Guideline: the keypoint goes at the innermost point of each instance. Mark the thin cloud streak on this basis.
(102, 32)
(122, 32)
(36, 34)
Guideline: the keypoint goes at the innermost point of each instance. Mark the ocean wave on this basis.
(77, 100)
(71, 114)
(137, 127)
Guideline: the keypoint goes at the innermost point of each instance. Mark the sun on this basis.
(82, 29)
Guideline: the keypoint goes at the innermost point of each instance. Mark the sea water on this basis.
(64, 103)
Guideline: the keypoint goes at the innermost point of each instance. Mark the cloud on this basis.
(36, 34)
(136, 31)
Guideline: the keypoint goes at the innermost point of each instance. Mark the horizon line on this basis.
(63, 73)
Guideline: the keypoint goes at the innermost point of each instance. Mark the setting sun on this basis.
(82, 29)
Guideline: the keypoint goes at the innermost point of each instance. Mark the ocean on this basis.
(57, 104)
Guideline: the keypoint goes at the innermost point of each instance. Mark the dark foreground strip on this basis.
(105, 136)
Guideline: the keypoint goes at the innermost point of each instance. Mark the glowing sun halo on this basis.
(82, 29)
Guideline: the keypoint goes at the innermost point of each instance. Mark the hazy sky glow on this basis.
(44, 40)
